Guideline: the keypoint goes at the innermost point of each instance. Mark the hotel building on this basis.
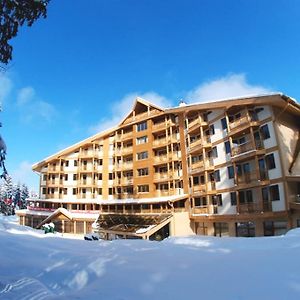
(224, 168)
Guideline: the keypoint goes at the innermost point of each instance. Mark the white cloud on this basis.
(121, 108)
(32, 108)
(24, 174)
(232, 85)
(5, 87)
(25, 95)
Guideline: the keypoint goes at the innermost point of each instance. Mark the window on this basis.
(143, 172)
(221, 229)
(217, 175)
(74, 191)
(212, 129)
(245, 229)
(74, 176)
(219, 201)
(75, 163)
(275, 228)
(83, 191)
(230, 172)
(265, 194)
(66, 177)
(227, 147)
(100, 176)
(233, 198)
(196, 180)
(110, 191)
(224, 123)
(141, 126)
(44, 177)
(110, 176)
(214, 152)
(100, 161)
(143, 188)
(196, 158)
(67, 163)
(270, 161)
(274, 192)
(264, 130)
(245, 197)
(100, 191)
(142, 155)
(142, 140)
(44, 191)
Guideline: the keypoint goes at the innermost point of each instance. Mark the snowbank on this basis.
(38, 266)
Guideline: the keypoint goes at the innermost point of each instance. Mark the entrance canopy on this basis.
(132, 225)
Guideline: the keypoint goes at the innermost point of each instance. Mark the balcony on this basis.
(195, 144)
(197, 167)
(199, 189)
(160, 142)
(161, 176)
(198, 144)
(127, 135)
(127, 165)
(205, 210)
(86, 169)
(159, 126)
(250, 208)
(242, 123)
(127, 181)
(247, 150)
(127, 150)
(160, 159)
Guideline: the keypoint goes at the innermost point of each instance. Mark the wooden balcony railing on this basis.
(246, 147)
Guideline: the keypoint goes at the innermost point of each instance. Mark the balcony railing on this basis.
(161, 141)
(250, 208)
(160, 125)
(200, 210)
(127, 135)
(127, 181)
(127, 150)
(246, 147)
(160, 158)
(159, 176)
(201, 188)
(197, 165)
(206, 209)
(239, 122)
(247, 177)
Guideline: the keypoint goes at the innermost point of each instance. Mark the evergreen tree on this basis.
(17, 194)
(24, 195)
(14, 14)
(9, 187)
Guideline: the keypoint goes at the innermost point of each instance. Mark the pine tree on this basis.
(17, 194)
(24, 195)
(9, 187)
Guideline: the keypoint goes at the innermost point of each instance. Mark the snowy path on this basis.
(37, 266)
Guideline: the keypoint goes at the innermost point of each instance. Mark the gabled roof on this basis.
(140, 102)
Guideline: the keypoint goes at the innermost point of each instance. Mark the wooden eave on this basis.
(279, 100)
(39, 165)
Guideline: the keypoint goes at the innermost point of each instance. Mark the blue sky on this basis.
(78, 71)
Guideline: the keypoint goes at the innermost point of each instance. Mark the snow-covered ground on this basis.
(38, 266)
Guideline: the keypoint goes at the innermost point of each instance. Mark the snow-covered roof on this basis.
(114, 201)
